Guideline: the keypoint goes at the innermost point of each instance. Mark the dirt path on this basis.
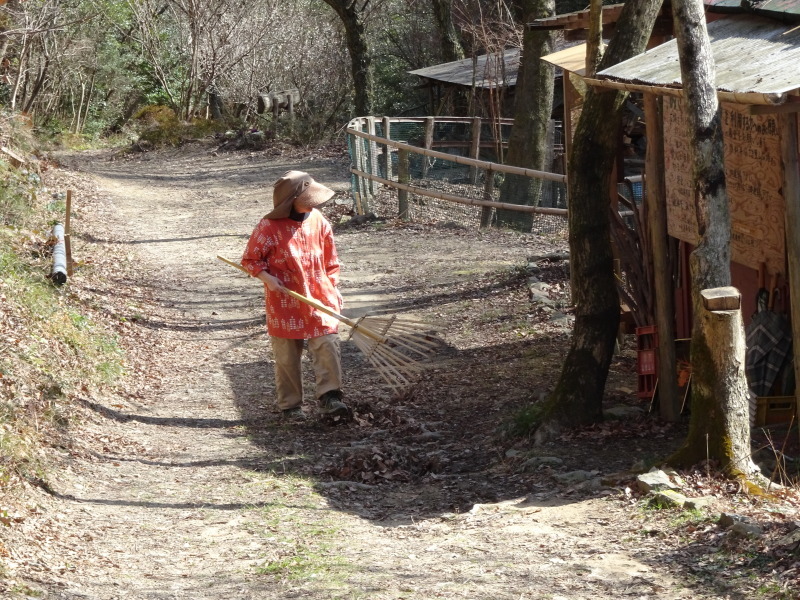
(190, 486)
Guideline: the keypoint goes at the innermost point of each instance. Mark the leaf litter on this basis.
(182, 482)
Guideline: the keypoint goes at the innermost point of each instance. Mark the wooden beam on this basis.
(656, 211)
(791, 194)
(775, 109)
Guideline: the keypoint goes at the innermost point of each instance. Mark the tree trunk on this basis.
(215, 102)
(450, 41)
(594, 37)
(533, 106)
(352, 18)
(578, 396)
(720, 422)
(37, 87)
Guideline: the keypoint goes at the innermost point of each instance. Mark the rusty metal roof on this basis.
(788, 10)
(754, 56)
(578, 19)
(777, 9)
(488, 70)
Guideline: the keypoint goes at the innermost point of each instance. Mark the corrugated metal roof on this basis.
(753, 55)
(490, 70)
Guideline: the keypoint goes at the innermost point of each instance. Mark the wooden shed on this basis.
(492, 77)
(758, 86)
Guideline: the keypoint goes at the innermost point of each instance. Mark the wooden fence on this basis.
(378, 159)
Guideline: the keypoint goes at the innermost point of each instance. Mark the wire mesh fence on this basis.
(449, 170)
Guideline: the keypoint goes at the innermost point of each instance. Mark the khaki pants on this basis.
(325, 357)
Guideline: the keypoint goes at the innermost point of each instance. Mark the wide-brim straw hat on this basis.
(298, 189)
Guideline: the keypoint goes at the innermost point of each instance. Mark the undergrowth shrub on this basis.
(51, 348)
(160, 126)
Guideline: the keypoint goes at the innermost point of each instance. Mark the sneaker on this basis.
(295, 414)
(332, 407)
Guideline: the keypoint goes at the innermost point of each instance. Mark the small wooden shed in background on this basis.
(490, 77)
(758, 85)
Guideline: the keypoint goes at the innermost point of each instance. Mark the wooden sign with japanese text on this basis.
(753, 176)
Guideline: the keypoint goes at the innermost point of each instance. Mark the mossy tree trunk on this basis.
(533, 106)
(452, 49)
(351, 13)
(720, 426)
(578, 396)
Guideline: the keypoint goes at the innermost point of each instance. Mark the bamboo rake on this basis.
(393, 346)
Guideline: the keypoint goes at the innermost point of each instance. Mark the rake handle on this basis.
(319, 306)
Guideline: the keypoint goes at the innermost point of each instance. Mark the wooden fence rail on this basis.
(373, 165)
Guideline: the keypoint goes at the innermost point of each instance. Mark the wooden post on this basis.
(403, 177)
(429, 124)
(548, 189)
(791, 195)
(290, 105)
(475, 148)
(275, 110)
(361, 165)
(358, 159)
(488, 188)
(372, 157)
(387, 150)
(656, 205)
(67, 233)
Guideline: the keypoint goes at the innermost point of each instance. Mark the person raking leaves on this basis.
(293, 247)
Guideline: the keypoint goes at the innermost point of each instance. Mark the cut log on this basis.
(721, 298)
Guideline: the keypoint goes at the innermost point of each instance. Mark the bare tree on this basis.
(720, 423)
(208, 39)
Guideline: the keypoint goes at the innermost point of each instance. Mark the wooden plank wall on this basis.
(754, 181)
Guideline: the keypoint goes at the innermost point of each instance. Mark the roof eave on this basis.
(759, 98)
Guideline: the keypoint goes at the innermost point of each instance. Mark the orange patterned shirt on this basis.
(303, 256)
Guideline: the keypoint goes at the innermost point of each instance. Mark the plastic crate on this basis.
(646, 360)
(775, 410)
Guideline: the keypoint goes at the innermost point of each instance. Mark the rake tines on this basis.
(406, 343)
(393, 346)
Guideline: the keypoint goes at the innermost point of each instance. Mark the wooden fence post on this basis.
(67, 233)
(372, 156)
(429, 124)
(358, 159)
(475, 148)
(403, 178)
(387, 150)
(655, 200)
(275, 110)
(488, 189)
